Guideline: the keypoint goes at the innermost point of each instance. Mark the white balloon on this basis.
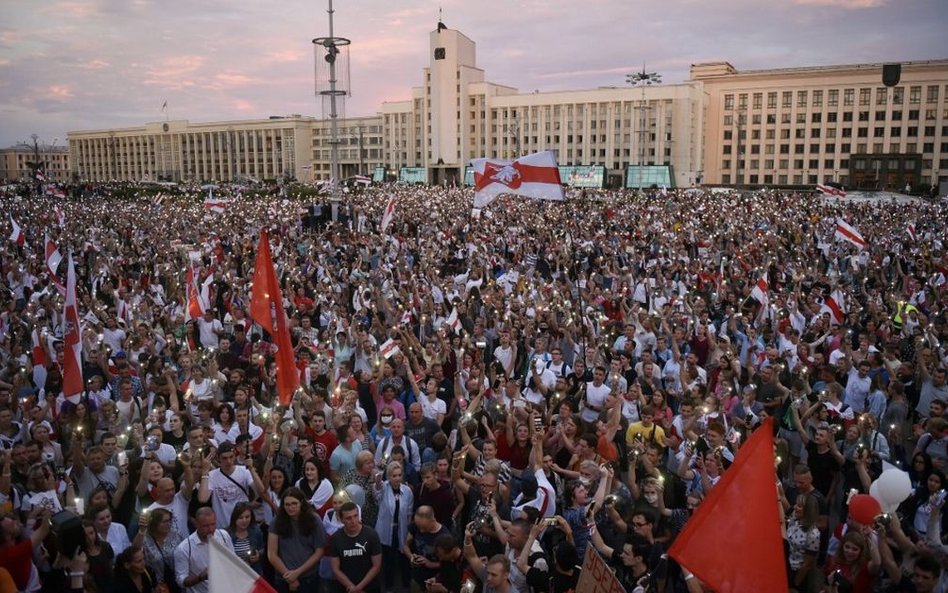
(874, 492)
(893, 486)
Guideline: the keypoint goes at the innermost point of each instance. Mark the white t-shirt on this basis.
(504, 357)
(46, 500)
(596, 397)
(431, 409)
(178, 507)
(227, 491)
(206, 329)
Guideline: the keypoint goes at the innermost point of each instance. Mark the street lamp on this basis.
(643, 79)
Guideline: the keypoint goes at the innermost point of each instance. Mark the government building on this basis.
(723, 126)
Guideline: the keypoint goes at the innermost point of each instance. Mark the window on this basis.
(898, 95)
(833, 98)
(896, 116)
(771, 118)
(880, 115)
(785, 118)
(728, 120)
(801, 98)
(831, 117)
(895, 131)
(728, 134)
(758, 100)
(815, 133)
(848, 96)
(929, 131)
(787, 99)
(864, 96)
(881, 96)
(912, 133)
(915, 95)
(800, 133)
(830, 132)
(848, 116)
(863, 116)
(728, 102)
(816, 118)
(830, 149)
(817, 98)
(862, 133)
(801, 118)
(913, 114)
(755, 119)
(742, 101)
(878, 132)
(932, 95)
(772, 99)
(814, 148)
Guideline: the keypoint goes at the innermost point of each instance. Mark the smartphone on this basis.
(551, 522)
(537, 423)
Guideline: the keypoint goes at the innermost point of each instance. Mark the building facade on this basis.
(14, 167)
(802, 126)
(278, 147)
(797, 126)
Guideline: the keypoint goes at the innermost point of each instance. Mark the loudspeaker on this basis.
(891, 74)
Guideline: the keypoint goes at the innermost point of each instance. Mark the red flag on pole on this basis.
(742, 511)
(266, 308)
(72, 352)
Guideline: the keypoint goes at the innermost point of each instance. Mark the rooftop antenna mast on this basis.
(332, 86)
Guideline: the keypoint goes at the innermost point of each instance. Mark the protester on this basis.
(624, 345)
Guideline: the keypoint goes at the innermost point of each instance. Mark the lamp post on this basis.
(643, 79)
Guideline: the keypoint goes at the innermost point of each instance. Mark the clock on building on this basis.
(439, 53)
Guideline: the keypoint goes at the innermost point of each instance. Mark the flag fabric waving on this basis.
(759, 292)
(215, 205)
(17, 236)
(833, 304)
(229, 574)
(266, 308)
(72, 351)
(53, 258)
(742, 507)
(847, 232)
(388, 215)
(60, 216)
(534, 176)
(829, 190)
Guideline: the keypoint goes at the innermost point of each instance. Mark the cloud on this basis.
(848, 4)
(286, 56)
(59, 91)
(73, 10)
(175, 72)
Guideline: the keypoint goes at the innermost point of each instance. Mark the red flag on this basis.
(534, 176)
(741, 509)
(39, 351)
(72, 361)
(266, 308)
(829, 190)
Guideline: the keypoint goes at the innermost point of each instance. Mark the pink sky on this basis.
(91, 64)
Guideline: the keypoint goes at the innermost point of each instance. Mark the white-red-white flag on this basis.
(759, 292)
(847, 232)
(40, 357)
(40, 176)
(53, 258)
(216, 205)
(829, 190)
(60, 216)
(835, 305)
(389, 348)
(453, 322)
(910, 229)
(229, 574)
(72, 351)
(56, 192)
(388, 215)
(534, 176)
(17, 236)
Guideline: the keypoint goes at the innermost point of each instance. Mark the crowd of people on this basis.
(485, 397)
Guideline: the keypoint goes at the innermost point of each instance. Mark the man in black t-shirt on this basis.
(355, 553)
